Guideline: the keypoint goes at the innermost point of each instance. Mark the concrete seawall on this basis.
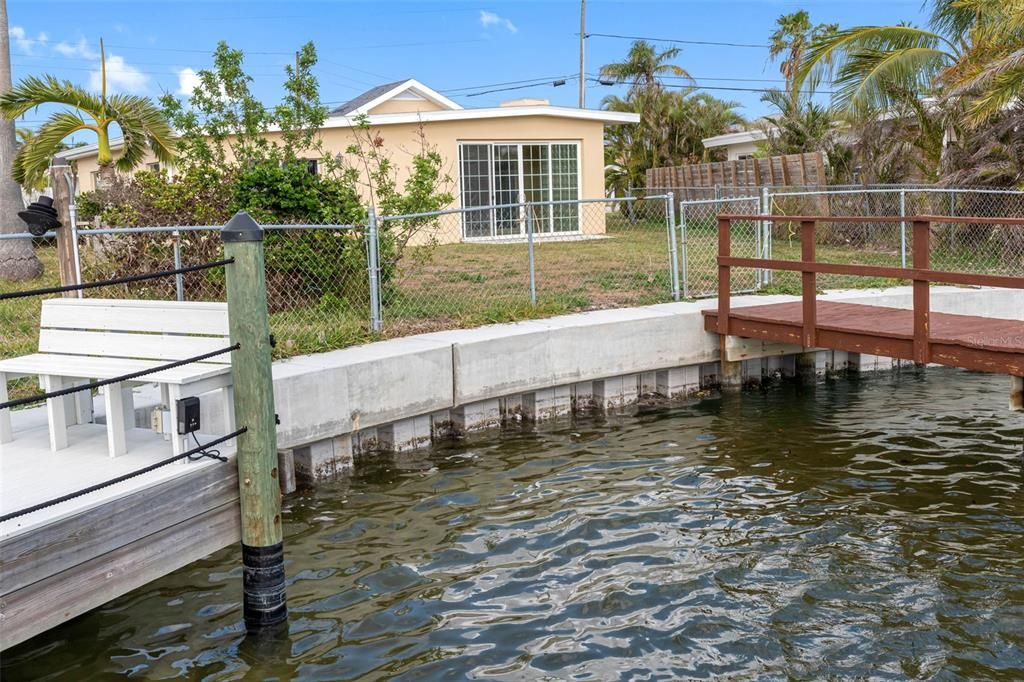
(406, 393)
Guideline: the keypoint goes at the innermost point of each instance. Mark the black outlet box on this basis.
(188, 415)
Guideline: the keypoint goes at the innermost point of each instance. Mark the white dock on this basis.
(59, 562)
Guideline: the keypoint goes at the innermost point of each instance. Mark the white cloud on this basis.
(80, 49)
(188, 80)
(121, 77)
(24, 43)
(488, 19)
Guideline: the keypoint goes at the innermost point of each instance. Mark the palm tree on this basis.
(18, 261)
(643, 66)
(793, 36)
(974, 51)
(141, 122)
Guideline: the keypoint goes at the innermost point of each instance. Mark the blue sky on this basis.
(459, 47)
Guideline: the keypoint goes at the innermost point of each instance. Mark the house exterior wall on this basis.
(402, 141)
(740, 149)
(402, 106)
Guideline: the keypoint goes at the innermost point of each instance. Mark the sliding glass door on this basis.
(502, 173)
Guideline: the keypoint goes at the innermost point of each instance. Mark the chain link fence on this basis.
(958, 247)
(332, 286)
(471, 266)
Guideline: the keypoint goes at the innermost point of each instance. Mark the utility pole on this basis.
(583, 37)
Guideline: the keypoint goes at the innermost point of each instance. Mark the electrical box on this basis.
(188, 415)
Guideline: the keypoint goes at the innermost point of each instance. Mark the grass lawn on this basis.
(19, 319)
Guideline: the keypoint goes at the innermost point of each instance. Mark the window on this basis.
(494, 175)
(312, 166)
(155, 167)
(95, 179)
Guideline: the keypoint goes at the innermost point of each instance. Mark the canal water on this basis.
(862, 528)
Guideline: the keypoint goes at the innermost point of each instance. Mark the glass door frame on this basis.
(520, 199)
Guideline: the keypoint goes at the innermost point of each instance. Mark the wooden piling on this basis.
(59, 176)
(263, 581)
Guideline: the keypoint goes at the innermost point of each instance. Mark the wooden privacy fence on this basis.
(803, 170)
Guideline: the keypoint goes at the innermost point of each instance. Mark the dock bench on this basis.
(83, 340)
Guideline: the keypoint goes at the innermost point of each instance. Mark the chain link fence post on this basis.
(179, 279)
(673, 254)
(763, 237)
(684, 251)
(373, 269)
(903, 227)
(529, 250)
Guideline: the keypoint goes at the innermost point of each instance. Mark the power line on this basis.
(709, 87)
(708, 78)
(675, 40)
(540, 80)
(560, 81)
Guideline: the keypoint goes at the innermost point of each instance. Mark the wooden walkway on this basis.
(967, 341)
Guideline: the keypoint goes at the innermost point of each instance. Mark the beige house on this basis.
(523, 150)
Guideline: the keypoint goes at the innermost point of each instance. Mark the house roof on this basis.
(755, 135)
(349, 114)
(410, 88)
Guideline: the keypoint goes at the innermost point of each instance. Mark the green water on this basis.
(863, 528)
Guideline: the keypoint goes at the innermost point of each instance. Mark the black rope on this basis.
(123, 477)
(18, 402)
(119, 280)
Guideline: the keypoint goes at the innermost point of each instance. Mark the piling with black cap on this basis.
(263, 580)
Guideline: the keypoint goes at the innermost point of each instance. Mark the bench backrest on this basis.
(150, 330)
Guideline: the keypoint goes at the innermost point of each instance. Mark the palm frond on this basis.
(34, 91)
(33, 159)
(996, 85)
(143, 126)
(861, 60)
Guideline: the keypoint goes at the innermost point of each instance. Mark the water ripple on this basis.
(871, 528)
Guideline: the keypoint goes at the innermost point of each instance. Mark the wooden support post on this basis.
(724, 285)
(1017, 394)
(808, 286)
(59, 176)
(263, 578)
(922, 304)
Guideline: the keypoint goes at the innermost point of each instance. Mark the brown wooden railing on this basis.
(920, 274)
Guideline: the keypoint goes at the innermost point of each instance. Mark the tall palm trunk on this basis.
(18, 261)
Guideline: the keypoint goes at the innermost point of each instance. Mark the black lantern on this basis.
(40, 216)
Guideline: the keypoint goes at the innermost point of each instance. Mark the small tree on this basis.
(142, 124)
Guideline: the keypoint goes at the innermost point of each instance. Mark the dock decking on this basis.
(64, 560)
(977, 343)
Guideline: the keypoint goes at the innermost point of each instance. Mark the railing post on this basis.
(903, 227)
(179, 279)
(673, 254)
(808, 286)
(922, 303)
(263, 579)
(530, 255)
(373, 268)
(724, 285)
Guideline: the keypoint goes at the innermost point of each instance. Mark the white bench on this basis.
(83, 340)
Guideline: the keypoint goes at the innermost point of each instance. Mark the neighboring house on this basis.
(523, 150)
(738, 145)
